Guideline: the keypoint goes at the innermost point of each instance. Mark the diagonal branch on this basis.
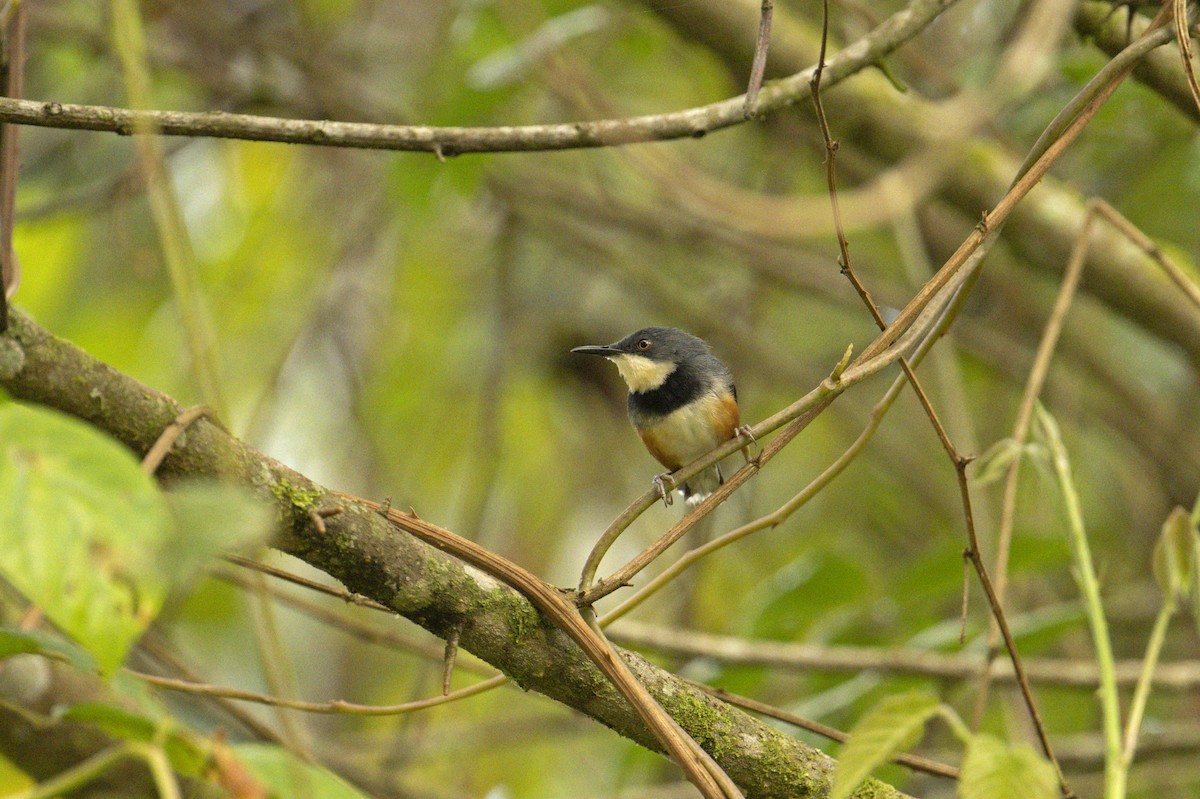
(371, 557)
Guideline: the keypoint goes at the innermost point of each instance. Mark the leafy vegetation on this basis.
(398, 324)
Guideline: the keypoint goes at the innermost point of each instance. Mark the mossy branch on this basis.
(371, 557)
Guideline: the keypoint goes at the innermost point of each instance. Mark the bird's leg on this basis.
(665, 486)
(745, 432)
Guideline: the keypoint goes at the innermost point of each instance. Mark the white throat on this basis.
(642, 374)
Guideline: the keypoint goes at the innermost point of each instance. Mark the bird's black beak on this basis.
(604, 351)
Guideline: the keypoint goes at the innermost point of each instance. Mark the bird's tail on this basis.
(699, 486)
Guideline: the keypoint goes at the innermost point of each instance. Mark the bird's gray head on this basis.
(647, 357)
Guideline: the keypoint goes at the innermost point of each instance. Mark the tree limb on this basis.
(443, 595)
(446, 141)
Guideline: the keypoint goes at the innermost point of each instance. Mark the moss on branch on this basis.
(369, 556)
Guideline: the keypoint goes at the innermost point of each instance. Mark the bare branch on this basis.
(1181, 675)
(448, 141)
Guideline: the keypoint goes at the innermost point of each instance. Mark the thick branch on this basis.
(369, 556)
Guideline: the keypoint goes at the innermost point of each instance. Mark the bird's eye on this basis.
(643, 344)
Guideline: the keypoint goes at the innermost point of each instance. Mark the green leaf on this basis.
(90, 538)
(893, 725)
(992, 769)
(1174, 559)
(995, 461)
(78, 524)
(210, 517)
(281, 772)
(20, 642)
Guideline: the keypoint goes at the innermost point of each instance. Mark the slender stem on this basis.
(1089, 586)
(1180, 18)
(160, 769)
(759, 65)
(336, 707)
(895, 31)
(1137, 707)
(1010, 644)
(914, 762)
(130, 42)
(79, 775)
(956, 459)
(12, 75)
(1020, 434)
(1131, 231)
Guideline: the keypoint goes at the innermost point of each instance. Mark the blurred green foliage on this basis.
(396, 326)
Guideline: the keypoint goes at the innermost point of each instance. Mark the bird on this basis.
(682, 402)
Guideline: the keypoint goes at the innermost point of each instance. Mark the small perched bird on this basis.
(681, 401)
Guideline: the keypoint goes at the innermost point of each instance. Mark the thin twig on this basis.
(759, 65)
(1141, 692)
(959, 462)
(1183, 36)
(697, 764)
(998, 614)
(1134, 234)
(448, 141)
(831, 147)
(796, 656)
(1020, 435)
(312, 585)
(168, 437)
(157, 648)
(448, 660)
(12, 75)
(335, 707)
(914, 762)
(364, 631)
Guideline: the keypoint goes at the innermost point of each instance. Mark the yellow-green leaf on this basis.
(1175, 555)
(79, 524)
(992, 769)
(893, 725)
